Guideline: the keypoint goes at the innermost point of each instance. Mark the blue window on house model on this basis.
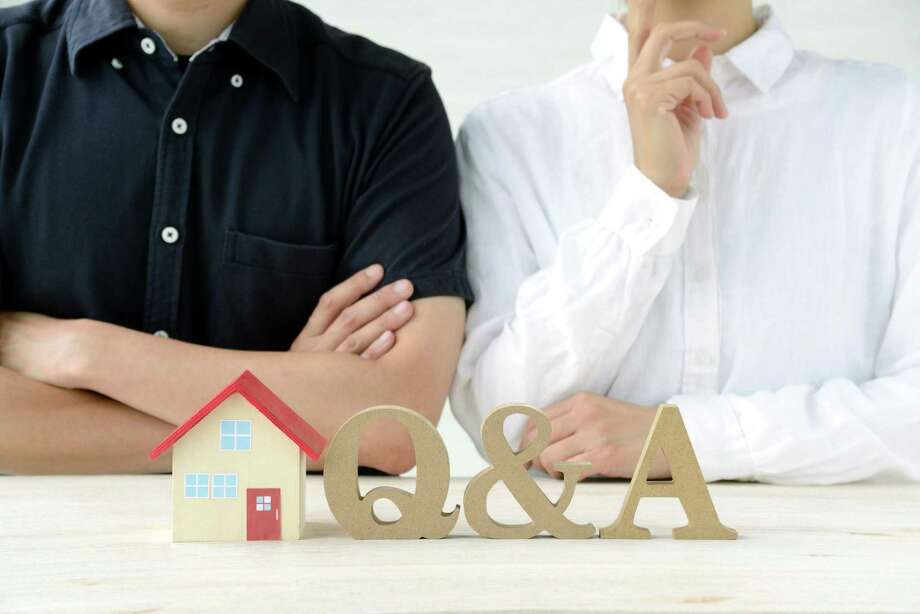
(235, 435)
(224, 486)
(196, 485)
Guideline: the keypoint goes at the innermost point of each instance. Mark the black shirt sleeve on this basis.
(407, 215)
(4, 290)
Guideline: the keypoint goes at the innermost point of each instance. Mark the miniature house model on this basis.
(239, 465)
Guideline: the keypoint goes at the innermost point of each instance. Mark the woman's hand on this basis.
(667, 106)
(609, 434)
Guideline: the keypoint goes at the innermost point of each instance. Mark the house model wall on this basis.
(272, 462)
(239, 467)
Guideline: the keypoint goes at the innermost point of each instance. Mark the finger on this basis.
(381, 346)
(532, 437)
(366, 310)
(640, 19)
(586, 457)
(703, 55)
(669, 95)
(530, 433)
(536, 464)
(563, 426)
(338, 298)
(695, 69)
(558, 409)
(559, 452)
(553, 411)
(391, 321)
(663, 37)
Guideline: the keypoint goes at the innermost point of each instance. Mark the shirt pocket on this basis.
(269, 289)
(278, 257)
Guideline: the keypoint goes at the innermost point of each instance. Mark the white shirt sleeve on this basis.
(841, 431)
(538, 335)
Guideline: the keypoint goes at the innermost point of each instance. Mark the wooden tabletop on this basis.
(95, 544)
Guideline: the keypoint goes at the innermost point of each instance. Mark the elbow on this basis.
(388, 445)
(14, 462)
(402, 458)
(391, 451)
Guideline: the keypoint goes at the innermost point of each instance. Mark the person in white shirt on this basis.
(704, 216)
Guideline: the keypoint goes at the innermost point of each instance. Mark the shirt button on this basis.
(236, 81)
(116, 64)
(148, 46)
(161, 333)
(169, 235)
(179, 126)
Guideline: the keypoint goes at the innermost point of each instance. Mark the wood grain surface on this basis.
(102, 544)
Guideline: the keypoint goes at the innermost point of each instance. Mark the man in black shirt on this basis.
(181, 186)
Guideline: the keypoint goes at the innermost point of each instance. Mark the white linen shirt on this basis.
(778, 305)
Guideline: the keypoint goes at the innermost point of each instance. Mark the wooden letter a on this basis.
(669, 435)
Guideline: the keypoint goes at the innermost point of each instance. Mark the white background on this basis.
(480, 48)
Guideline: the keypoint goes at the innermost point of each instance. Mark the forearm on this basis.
(569, 325)
(839, 432)
(49, 430)
(170, 380)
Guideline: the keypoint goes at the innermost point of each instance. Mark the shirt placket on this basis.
(168, 236)
(701, 292)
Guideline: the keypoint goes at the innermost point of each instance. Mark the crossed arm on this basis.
(88, 397)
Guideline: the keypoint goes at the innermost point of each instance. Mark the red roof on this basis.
(263, 399)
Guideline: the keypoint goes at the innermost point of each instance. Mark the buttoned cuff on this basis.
(716, 435)
(647, 217)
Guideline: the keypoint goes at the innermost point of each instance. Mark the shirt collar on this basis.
(262, 30)
(265, 32)
(88, 21)
(762, 58)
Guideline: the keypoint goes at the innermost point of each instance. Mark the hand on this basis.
(609, 434)
(345, 322)
(666, 107)
(41, 348)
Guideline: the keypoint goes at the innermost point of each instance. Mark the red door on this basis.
(263, 513)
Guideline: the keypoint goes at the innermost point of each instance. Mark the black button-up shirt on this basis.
(215, 200)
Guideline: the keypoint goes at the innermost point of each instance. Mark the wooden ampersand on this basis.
(421, 514)
(669, 435)
(508, 466)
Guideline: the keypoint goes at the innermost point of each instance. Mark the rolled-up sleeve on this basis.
(538, 334)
